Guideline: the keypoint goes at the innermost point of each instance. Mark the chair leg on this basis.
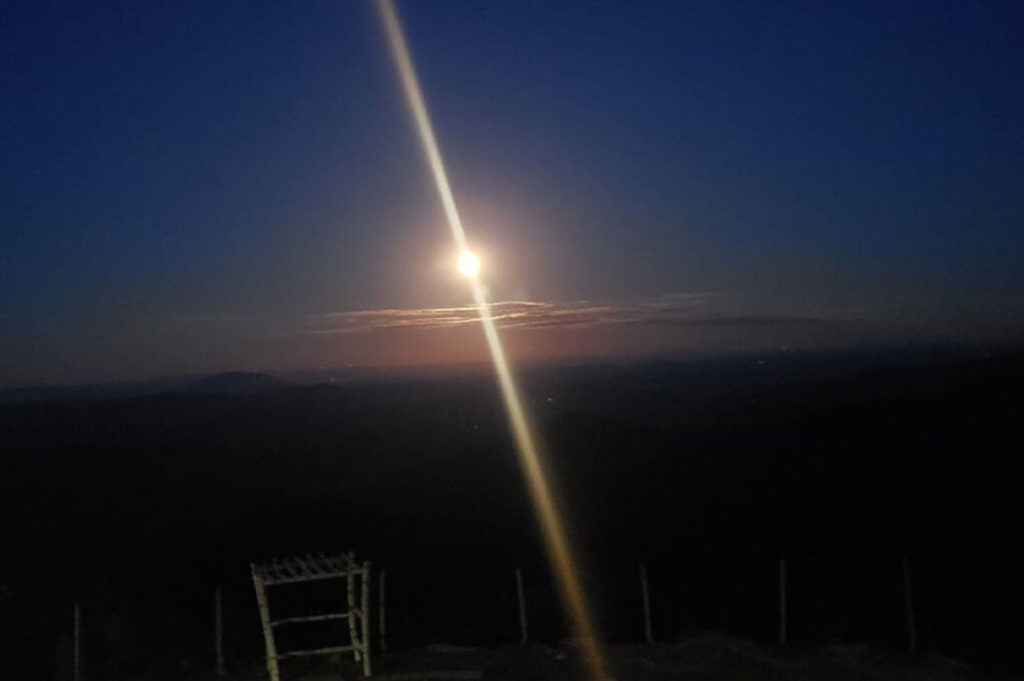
(268, 631)
(365, 607)
(350, 591)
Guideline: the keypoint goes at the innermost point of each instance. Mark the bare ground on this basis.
(698, 658)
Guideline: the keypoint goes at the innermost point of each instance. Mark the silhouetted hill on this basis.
(237, 383)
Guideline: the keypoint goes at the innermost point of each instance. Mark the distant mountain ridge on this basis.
(808, 364)
(237, 383)
(234, 383)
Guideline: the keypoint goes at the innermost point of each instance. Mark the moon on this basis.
(468, 264)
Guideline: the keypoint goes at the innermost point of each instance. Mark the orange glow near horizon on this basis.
(553, 530)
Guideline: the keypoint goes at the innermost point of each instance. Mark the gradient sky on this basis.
(237, 185)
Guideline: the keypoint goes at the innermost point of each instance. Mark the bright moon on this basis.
(469, 264)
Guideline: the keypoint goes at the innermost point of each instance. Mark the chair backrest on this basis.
(310, 568)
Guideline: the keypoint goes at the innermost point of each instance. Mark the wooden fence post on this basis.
(78, 643)
(523, 627)
(782, 603)
(382, 609)
(908, 601)
(218, 632)
(646, 600)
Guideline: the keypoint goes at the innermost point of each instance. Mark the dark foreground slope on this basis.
(707, 656)
(139, 508)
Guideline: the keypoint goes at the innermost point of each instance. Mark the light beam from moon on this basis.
(553, 530)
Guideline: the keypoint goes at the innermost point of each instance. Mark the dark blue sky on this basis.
(211, 186)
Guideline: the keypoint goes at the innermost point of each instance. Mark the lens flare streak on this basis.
(553, 530)
(414, 97)
(550, 521)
